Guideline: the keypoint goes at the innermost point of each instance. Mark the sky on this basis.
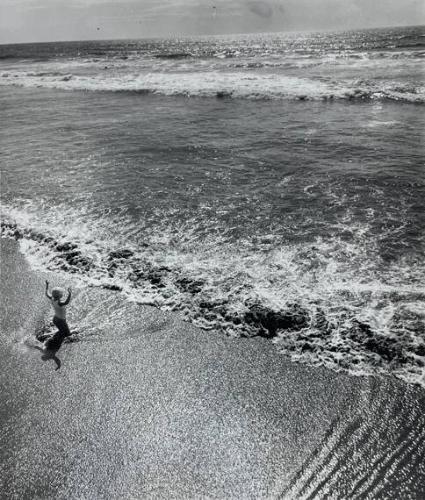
(53, 20)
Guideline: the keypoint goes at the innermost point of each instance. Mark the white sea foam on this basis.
(250, 85)
(354, 319)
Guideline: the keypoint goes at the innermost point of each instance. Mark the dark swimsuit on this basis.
(62, 326)
(54, 343)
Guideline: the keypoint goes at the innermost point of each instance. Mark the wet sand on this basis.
(147, 406)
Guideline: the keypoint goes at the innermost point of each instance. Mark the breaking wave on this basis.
(320, 303)
(220, 84)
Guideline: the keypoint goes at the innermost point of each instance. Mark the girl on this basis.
(59, 318)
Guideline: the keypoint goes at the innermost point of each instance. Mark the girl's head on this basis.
(57, 293)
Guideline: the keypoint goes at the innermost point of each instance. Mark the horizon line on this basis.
(326, 30)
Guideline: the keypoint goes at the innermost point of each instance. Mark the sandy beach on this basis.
(148, 406)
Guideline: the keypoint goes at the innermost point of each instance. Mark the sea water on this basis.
(266, 184)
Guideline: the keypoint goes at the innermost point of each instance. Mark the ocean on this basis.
(268, 184)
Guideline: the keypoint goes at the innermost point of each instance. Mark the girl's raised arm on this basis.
(47, 290)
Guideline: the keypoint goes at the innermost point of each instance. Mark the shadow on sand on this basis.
(50, 348)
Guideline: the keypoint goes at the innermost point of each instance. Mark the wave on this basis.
(221, 84)
(310, 300)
